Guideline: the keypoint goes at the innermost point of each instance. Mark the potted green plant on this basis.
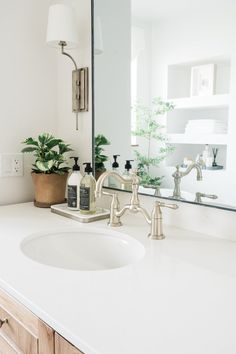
(150, 128)
(100, 158)
(49, 172)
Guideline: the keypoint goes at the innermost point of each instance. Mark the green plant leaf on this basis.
(44, 165)
(150, 128)
(43, 138)
(30, 141)
(53, 142)
(100, 140)
(63, 148)
(29, 149)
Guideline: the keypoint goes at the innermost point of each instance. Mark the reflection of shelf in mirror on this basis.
(214, 139)
(208, 171)
(204, 171)
(201, 101)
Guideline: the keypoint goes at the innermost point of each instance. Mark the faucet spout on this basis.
(104, 176)
(190, 168)
(155, 220)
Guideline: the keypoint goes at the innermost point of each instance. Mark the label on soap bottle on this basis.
(72, 197)
(84, 198)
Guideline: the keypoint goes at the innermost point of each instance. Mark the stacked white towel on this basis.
(206, 126)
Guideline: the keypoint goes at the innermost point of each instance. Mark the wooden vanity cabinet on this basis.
(21, 332)
(64, 347)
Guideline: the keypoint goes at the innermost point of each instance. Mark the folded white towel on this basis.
(205, 122)
(205, 131)
(206, 126)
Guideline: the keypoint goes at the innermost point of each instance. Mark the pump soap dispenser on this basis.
(112, 182)
(73, 186)
(127, 175)
(87, 191)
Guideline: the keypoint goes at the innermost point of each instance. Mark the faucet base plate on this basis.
(112, 224)
(176, 198)
(155, 237)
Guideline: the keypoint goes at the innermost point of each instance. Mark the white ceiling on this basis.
(157, 9)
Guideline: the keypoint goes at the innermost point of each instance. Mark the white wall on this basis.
(27, 86)
(35, 86)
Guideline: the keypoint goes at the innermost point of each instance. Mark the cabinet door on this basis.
(64, 347)
(21, 331)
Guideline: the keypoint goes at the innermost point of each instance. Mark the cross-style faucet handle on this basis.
(168, 205)
(199, 196)
(156, 220)
(177, 172)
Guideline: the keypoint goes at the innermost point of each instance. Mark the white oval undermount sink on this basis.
(83, 249)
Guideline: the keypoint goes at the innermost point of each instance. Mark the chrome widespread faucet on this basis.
(199, 196)
(177, 175)
(155, 220)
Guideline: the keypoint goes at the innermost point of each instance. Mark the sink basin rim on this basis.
(110, 249)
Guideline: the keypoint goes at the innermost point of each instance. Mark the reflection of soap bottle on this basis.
(73, 186)
(87, 191)
(112, 182)
(127, 175)
(200, 161)
(206, 156)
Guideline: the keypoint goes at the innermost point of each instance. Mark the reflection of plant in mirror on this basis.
(100, 158)
(148, 127)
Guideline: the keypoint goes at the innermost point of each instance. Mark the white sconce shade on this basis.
(62, 26)
(62, 33)
(98, 39)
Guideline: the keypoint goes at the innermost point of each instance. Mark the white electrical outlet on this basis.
(11, 165)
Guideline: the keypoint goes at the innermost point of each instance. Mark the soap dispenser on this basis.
(112, 182)
(87, 191)
(73, 186)
(127, 175)
(206, 156)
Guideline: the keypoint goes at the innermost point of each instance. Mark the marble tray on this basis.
(61, 209)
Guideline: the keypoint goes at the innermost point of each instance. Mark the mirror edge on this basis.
(221, 207)
(92, 82)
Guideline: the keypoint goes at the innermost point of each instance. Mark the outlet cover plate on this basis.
(11, 165)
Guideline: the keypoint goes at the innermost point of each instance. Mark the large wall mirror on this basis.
(165, 95)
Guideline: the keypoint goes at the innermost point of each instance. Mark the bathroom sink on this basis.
(83, 249)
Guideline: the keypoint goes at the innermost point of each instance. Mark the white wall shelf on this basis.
(205, 172)
(213, 139)
(181, 73)
(201, 102)
(192, 149)
(199, 108)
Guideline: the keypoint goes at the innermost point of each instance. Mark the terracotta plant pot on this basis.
(49, 189)
(98, 174)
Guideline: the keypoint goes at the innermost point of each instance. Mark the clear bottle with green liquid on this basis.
(87, 191)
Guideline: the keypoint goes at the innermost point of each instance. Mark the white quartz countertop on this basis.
(179, 299)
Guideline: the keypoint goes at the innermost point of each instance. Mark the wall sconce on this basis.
(62, 32)
(98, 38)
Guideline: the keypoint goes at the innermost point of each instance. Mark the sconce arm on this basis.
(63, 44)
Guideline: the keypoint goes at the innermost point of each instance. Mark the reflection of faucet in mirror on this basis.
(199, 196)
(177, 175)
(155, 220)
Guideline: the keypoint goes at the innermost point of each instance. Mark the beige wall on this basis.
(35, 86)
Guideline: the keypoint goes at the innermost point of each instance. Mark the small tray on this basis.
(61, 209)
(215, 168)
